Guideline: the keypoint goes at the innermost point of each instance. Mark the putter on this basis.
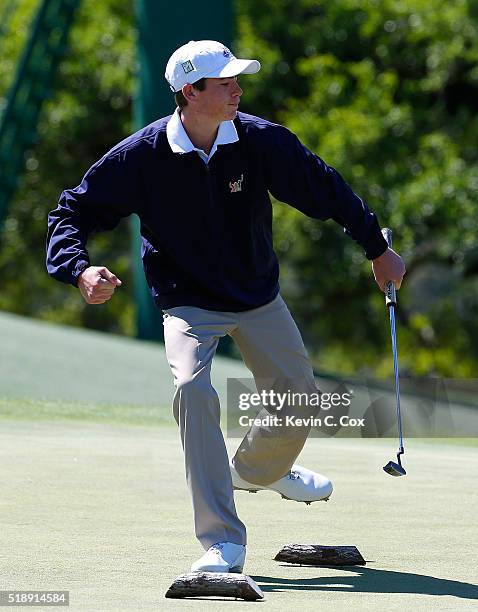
(394, 468)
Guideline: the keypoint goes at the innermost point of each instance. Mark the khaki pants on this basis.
(272, 349)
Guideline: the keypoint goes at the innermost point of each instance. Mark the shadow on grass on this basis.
(366, 580)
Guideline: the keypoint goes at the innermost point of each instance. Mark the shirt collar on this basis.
(180, 143)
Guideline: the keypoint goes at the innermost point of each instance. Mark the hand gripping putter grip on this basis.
(394, 468)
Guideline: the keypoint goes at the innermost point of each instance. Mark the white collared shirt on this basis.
(180, 143)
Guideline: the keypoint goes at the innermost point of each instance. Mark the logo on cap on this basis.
(187, 66)
(226, 52)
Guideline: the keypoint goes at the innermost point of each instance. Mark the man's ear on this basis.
(189, 92)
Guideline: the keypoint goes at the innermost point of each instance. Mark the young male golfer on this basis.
(199, 180)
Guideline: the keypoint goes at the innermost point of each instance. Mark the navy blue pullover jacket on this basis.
(206, 229)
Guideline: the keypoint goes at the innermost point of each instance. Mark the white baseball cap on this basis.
(205, 58)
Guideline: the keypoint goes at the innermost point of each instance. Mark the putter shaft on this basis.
(397, 381)
(394, 469)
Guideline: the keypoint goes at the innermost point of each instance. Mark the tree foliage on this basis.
(383, 90)
(91, 111)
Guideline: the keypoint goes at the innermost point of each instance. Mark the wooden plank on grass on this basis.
(215, 584)
(315, 554)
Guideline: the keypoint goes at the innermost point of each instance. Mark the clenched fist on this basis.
(97, 284)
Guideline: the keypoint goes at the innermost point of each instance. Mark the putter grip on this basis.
(390, 292)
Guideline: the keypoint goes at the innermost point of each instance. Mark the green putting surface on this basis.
(54, 362)
(93, 495)
(102, 511)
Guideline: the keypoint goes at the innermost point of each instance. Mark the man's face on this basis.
(220, 99)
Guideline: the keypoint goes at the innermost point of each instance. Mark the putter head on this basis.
(394, 469)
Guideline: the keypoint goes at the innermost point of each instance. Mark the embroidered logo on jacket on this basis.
(236, 186)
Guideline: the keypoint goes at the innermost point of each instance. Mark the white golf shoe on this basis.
(300, 484)
(222, 557)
